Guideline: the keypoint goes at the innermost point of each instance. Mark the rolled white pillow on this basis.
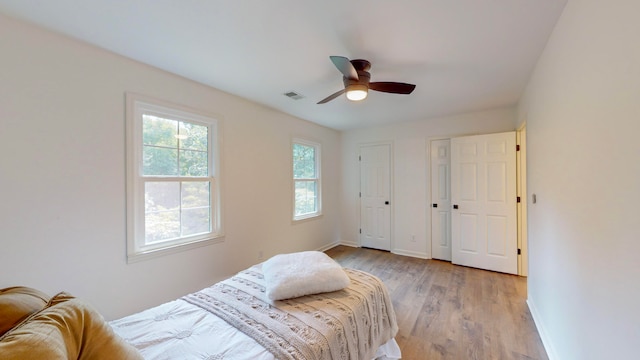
(303, 273)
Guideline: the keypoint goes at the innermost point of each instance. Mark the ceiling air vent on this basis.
(294, 95)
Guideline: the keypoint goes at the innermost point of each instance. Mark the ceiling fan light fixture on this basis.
(357, 92)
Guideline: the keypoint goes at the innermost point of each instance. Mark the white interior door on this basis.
(441, 199)
(375, 193)
(483, 194)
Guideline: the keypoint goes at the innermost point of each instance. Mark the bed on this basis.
(257, 314)
(294, 306)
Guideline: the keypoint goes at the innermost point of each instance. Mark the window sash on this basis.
(176, 139)
(180, 207)
(302, 198)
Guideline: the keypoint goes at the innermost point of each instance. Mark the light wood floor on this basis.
(447, 311)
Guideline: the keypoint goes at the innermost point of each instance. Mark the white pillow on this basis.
(304, 273)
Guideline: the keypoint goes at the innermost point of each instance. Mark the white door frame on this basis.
(521, 189)
(391, 191)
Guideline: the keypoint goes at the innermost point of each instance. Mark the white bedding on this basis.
(181, 330)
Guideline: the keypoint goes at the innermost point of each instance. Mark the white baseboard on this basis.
(414, 254)
(329, 246)
(350, 243)
(544, 336)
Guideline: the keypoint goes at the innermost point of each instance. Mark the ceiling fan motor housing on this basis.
(361, 64)
(363, 79)
(362, 68)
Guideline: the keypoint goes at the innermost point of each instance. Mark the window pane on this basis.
(193, 137)
(193, 163)
(161, 196)
(159, 161)
(195, 221)
(304, 162)
(162, 225)
(162, 211)
(195, 194)
(174, 209)
(196, 218)
(305, 197)
(159, 132)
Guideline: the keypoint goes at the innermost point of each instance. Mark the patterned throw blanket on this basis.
(347, 324)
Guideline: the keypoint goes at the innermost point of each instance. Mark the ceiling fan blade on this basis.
(345, 66)
(331, 97)
(392, 87)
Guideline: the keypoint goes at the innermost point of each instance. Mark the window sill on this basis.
(306, 218)
(152, 254)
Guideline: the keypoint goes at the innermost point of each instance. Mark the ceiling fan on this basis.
(356, 80)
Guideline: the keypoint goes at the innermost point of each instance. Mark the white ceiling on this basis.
(463, 55)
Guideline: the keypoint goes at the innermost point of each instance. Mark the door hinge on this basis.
(360, 231)
(517, 147)
(359, 158)
(519, 252)
(518, 199)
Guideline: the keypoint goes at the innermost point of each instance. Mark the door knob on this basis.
(455, 207)
(386, 203)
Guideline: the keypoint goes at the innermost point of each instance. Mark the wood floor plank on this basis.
(447, 311)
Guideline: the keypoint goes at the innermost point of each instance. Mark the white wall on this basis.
(582, 108)
(62, 176)
(411, 196)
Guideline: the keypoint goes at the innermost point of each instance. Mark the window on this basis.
(172, 178)
(306, 179)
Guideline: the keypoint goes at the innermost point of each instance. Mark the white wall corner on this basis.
(544, 336)
(329, 246)
(349, 243)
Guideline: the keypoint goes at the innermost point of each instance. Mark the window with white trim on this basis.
(173, 174)
(306, 179)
